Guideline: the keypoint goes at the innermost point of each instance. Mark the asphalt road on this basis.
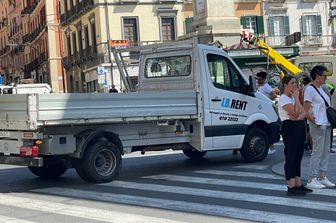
(165, 188)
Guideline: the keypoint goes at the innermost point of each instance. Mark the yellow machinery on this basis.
(275, 57)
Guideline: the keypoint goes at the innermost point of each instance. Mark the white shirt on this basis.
(284, 100)
(265, 89)
(318, 107)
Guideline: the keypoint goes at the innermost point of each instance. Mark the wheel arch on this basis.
(91, 135)
(261, 125)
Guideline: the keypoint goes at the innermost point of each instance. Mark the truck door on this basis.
(227, 106)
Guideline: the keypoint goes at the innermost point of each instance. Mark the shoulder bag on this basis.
(331, 112)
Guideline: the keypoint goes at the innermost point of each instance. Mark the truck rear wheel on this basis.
(193, 153)
(255, 146)
(101, 162)
(49, 171)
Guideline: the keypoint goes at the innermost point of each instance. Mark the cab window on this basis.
(172, 66)
(223, 74)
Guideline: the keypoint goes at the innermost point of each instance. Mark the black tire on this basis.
(255, 146)
(101, 162)
(49, 171)
(193, 153)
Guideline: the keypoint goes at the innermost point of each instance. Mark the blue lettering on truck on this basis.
(234, 104)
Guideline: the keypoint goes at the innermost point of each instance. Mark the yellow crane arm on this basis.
(276, 57)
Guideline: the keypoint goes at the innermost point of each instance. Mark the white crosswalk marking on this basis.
(210, 195)
(254, 215)
(252, 167)
(76, 211)
(5, 219)
(224, 182)
(241, 174)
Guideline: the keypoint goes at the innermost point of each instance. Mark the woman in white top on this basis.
(293, 133)
(320, 128)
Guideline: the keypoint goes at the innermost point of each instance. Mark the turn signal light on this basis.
(29, 151)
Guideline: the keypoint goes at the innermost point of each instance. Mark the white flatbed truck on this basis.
(190, 97)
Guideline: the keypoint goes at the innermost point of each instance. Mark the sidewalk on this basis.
(331, 173)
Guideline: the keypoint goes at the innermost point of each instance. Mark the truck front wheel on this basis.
(101, 162)
(255, 146)
(49, 171)
(193, 153)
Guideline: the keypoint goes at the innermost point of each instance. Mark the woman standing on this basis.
(293, 130)
(315, 107)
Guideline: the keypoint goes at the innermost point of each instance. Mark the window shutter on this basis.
(243, 21)
(286, 25)
(304, 26)
(271, 26)
(318, 25)
(260, 25)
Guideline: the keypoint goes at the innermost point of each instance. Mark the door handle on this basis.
(216, 99)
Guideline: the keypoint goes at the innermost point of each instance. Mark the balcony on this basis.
(76, 11)
(78, 58)
(33, 35)
(35, 63)
(30, 9)
(312, 41)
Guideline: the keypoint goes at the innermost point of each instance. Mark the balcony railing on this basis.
(35, 63)
(77, 58)
(76, 11)
(317, 41)
(32, 36)
(29, 9)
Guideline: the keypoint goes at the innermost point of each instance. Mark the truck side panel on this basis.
(58, 109)
(14, 112)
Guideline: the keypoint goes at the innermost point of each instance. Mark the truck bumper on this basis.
(22, 161)
(274, 134)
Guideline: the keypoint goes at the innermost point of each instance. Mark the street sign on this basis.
(100, 70)
(115, 43)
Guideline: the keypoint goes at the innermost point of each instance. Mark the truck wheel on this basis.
(193, 153)
(49, 171)
(255, 145)
(101, 162)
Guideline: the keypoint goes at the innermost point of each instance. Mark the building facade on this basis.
(10, 36)
(90, 24)
(30, 43)
(310, 18)
(42, 43)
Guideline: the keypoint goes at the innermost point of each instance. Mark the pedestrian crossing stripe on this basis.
(16, 200)
(239, 173)
(158, 193)
(5, 219)
(252, 167)
(200, 208)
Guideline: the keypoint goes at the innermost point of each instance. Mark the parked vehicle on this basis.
(41, 88)
(190, 97)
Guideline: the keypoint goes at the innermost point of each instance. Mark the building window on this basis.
(255, 23)
(130, 27)
(278, 25)
(80, 36)
(168, 29)
(311, 25)
(86, 37)
(74, 45)
(93, 34)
